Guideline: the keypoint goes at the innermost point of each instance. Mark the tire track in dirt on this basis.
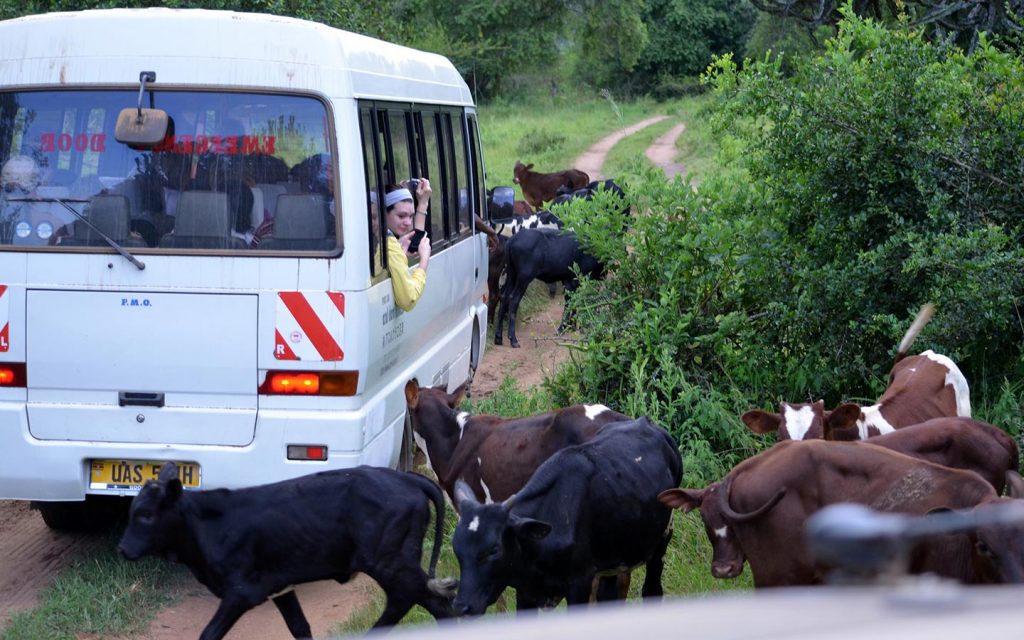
(593, 158)
(662, 152)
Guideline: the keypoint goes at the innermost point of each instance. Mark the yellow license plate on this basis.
(132, 474)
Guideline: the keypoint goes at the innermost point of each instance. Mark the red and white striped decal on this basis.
(5, 324)
(309, 325)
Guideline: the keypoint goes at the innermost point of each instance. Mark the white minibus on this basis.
(219, 297)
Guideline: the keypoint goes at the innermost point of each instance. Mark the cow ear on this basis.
(168, 472)
(457, 396)
(686, 500)
(172, 491)
(1014, 484)
(761, 421)
(412, 393)
(529, 166)
(529, 529)
(843, 417)
(464, 496)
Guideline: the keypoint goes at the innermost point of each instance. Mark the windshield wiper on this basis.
(110, 241)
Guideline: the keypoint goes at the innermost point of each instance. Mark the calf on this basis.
(764, 502)
(591, 509)
(494, 456)
(547, 256)
(539, 188)
(960, 443)
(921, 387)
(495, 266)
(250, 545)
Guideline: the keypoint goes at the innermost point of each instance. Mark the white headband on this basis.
(391, 198)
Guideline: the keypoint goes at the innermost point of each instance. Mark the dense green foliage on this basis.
(880, 176)
(685, 34)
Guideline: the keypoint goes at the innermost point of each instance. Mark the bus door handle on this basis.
(140, 399)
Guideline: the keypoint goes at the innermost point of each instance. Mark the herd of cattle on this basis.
(539, 248)
(565, 504)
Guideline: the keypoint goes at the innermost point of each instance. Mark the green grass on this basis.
(550, 135)
(100, 594)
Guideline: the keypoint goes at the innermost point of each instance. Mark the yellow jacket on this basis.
(408, 284)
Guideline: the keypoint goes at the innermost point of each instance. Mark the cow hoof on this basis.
(514, 344)
(497, 340)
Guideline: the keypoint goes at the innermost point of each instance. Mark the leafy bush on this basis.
(889, 168)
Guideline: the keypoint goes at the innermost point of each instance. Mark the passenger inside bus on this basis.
(406, 215)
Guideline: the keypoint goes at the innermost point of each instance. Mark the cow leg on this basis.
(514, 299)
(567, 316)
(552, 289)
(526, 603)
(580, 589)
(655, 566)
(607, 589)
(227, 614)
(506, 289)
(288, 604)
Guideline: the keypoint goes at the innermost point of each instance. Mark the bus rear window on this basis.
(237, 172)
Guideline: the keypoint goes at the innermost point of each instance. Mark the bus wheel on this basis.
(408, 451)
(94, 514)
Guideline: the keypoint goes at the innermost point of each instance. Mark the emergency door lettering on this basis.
(79, 142)
(309, 326)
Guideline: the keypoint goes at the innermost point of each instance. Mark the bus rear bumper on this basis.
(58, 470)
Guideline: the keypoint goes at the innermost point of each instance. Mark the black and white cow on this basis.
(250, 545)
(539, 220)
(590, 510)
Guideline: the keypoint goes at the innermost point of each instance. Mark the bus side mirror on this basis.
(500, 201)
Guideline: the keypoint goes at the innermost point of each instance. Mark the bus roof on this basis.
(219, 49)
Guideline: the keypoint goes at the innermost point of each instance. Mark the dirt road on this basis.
(31, 554)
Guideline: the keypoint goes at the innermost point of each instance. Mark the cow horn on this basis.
(735, 516)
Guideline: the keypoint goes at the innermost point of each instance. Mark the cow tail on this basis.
(735, 516)
(443, 587)
(923, 316)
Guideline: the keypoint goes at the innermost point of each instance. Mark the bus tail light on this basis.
(12, 374)
(307, 452)
(310, 383)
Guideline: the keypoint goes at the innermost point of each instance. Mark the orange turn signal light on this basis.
(12, 374)
(310, 383)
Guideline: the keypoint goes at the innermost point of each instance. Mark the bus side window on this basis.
(375, 224)
(479, 195)
(432, 161)
(462, 174)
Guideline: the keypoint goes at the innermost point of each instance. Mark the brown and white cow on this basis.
(494, 456)
(960, 443)
(539, 188)
(760, 509)
(921, 387)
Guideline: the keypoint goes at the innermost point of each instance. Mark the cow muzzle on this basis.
(726, 570)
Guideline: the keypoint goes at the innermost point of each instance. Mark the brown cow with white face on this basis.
(960, 443)
(920, 388)
(765, 501)
(928, 385)
(494, 456)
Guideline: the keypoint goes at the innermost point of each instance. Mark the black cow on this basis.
(589, 510)
(544, 255)
(250, 545)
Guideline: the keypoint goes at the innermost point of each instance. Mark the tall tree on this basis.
(963, 19)
(684, 34)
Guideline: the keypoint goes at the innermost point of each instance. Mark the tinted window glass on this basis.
(236, 171)
(375, 223)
